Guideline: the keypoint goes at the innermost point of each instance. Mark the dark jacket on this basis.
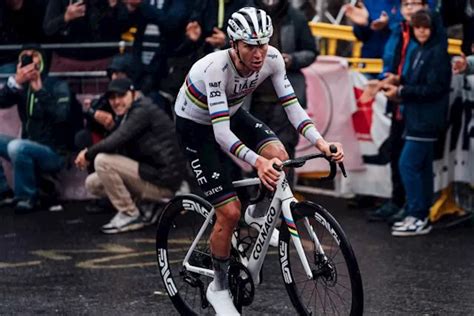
(292, 36)
(147, 135)
(44, 114)
(208, 18)
(299, 43)
(425, 92)
(100, 24)
(393, 51)
(170, 20)
(21, 26)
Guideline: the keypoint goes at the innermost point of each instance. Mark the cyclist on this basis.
(210, 121)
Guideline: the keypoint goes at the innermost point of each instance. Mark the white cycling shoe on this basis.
(258, 222)
(221, 301)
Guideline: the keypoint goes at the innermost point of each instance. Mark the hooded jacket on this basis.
(426, 86)
(146, 135)
(393, 51)
(44, 114)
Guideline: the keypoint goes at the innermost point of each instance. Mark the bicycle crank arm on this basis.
(195, 282)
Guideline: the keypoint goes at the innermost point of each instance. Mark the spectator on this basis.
(99, 115)
(371, 19)
(213, 22)
(307, 7)
(79, 21)
(14, 30)
(292, 36)
(161, 34)
(140, 159)
(424, 93)
(464, 65)
(43, 106)
(397, 53)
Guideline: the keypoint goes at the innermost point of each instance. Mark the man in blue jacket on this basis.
(43, 107)
(424, 94)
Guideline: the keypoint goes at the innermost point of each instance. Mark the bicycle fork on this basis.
(295, 237)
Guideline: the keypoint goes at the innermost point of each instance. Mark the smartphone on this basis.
(26, 60)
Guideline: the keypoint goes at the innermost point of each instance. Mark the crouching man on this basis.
(140, 160)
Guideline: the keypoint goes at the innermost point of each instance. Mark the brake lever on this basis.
(333, 149)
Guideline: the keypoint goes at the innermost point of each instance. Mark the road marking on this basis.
(95, 263)
(58, 254)
(4, 265)
(107, 262)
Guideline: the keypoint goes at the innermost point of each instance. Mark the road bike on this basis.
(318, 266)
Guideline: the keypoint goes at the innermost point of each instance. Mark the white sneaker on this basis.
(221, 301)
(123, 222)
(412, 226)
(258, 222)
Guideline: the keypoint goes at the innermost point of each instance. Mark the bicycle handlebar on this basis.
(300, 161)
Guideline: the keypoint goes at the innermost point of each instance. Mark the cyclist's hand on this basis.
(267, 173)
(323, 146)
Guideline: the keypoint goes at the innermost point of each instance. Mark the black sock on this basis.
(221, 267)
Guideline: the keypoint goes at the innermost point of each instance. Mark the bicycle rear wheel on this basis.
(336, 287)
(179, 224)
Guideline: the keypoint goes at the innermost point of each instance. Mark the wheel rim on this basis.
(180, 232)
(331, 291)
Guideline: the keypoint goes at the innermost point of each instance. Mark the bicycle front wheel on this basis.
(178, 226)
(336, 286)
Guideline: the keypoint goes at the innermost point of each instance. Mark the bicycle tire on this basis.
(177, 227)
(309, 301)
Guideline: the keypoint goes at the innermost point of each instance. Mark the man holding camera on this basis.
(43, 107)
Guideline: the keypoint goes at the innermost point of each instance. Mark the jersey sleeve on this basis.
(220, 118)
(284, 90)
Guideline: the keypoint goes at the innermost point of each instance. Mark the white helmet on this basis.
(251, 25)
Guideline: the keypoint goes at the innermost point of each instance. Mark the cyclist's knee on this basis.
(275, 150)
(229, 213)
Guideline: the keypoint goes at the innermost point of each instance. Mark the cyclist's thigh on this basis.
(251, 131)
(207, 161)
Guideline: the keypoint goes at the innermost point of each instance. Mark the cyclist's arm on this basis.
(296, 114)
(219, 113)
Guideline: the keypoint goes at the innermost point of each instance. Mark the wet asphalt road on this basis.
(59, 263)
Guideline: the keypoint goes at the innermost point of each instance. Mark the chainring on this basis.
(241, 285)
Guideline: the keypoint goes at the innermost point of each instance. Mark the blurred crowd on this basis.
(125, 137)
